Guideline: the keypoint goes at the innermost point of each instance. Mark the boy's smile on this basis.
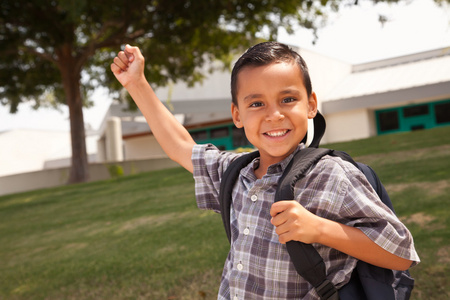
(273, 108)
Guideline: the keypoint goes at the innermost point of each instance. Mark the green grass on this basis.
(139, 237)
(142, 236)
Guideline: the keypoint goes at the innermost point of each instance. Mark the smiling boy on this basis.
(335, 209)
(273, 107)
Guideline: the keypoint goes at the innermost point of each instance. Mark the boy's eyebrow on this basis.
(283, 92)
(252, 96)
(290, 91)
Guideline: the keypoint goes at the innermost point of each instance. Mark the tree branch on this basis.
(45, 56)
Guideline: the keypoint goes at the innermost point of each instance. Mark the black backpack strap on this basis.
(302, 161)
(226, 187)
(307, 261)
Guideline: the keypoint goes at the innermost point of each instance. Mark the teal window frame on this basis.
(412, 122)
(223, 142)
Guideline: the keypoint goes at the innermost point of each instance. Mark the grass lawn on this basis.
(142, 237)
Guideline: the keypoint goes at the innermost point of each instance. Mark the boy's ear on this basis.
(236, 116)
(312, 106)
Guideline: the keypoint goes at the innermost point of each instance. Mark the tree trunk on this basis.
(71, 75)
(79, 171)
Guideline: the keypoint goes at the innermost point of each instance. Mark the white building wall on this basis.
(58, 177)
(27, 150)
(142, 148)
(326, 73)
(349, 125)
(215, 86)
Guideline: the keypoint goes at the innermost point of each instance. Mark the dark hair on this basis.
(266, 53)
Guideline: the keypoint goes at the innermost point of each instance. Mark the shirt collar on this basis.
(280, 166)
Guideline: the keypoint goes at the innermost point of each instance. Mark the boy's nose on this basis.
(275, 114)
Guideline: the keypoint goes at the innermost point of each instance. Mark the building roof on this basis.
(393, 74)
(406, 79)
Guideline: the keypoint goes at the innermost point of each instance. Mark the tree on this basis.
(61, 49)
(58, 51)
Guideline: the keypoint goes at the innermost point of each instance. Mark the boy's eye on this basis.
(289, 99)
(256, 104)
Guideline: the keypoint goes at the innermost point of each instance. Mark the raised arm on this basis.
(177, 143)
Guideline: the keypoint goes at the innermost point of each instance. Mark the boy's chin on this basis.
(277, 154)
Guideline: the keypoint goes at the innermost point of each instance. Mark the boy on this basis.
(335, 207)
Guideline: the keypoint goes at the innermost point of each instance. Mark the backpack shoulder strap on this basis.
(307, 261)
(227, 183)
(302, 161)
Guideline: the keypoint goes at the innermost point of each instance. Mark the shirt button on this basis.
(240, 267)
(254, 198)
(246, 231)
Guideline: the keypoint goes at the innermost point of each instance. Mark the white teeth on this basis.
(277, 133)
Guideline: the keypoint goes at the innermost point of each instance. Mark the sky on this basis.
(353, 34)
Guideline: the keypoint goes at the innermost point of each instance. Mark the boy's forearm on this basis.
(175, 140)
(354, 242)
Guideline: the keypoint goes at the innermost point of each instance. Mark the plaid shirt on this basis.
(258, 266)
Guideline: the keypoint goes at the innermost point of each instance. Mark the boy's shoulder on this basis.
(209, 157)
(334, 166)
(330, 175)
(211, 152)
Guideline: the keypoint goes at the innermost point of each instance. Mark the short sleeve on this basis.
(376, 220)
(338, 191)
(209, 165)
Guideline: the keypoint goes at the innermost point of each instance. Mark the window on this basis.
(239, 138)
(414, 111)
(388, 120)
(219, 132)
(442, 112)
(199, 135)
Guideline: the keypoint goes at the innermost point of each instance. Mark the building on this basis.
(399, 94)
(394, 95)
(28, 150)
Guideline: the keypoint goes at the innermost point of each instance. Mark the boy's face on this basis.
(273, 108)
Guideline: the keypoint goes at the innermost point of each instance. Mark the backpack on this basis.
(367, 281)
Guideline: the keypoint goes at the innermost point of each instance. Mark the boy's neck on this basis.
(265, 163)
(260, 172)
